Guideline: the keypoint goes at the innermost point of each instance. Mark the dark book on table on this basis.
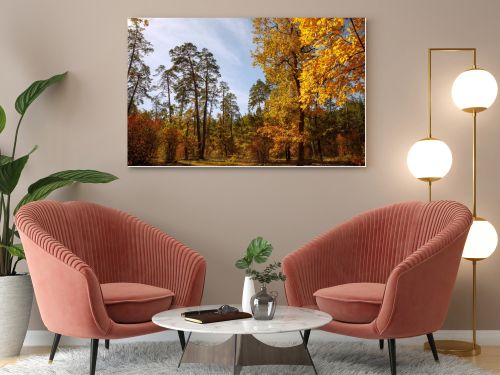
(212, 316)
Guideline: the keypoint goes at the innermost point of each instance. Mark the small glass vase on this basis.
(263, 304)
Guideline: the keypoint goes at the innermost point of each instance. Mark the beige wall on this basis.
(82, 124)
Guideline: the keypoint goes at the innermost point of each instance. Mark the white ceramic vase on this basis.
(16, 298)
(248, 292)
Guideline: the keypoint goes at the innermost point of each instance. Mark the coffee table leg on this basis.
(236, 366)
(253, 352)
(184, 350)
(305, 340)
(223, 353)
(246, 350)
(182, 339)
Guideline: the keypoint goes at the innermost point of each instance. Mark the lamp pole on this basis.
(429, 96)
(454, 347)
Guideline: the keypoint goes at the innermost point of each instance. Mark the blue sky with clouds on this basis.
(229, 39)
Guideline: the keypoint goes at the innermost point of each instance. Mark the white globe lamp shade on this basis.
(474, 90)
(429, 159)
(481, 241)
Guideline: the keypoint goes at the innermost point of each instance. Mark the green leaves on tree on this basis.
(29, 95)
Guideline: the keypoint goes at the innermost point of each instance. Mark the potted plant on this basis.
(16, 291)
(258, 251)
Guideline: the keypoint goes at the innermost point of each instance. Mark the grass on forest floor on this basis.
(159, 161)
(244, 163)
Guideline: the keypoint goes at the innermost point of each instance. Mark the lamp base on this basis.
(456, 348)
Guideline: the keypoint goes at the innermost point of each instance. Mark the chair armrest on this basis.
(67, 290)
(165, 262)
(419, 289)
(321, 263)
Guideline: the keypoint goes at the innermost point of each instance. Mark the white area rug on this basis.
(161, 358)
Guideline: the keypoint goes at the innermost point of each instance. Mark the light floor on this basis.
(488, 360)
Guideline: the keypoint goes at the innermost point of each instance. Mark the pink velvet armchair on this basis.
(99, 273)
(385, 274)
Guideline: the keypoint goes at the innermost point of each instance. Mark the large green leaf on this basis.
(3, 119)
(42, 193)
(15, 250)
(242, 263)
(87, 176)
(10, 172)
(43, 187)
(29, 95)
(259, 250)
(4, 159)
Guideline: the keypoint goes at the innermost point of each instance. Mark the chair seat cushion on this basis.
(351, 303)
(135, 303)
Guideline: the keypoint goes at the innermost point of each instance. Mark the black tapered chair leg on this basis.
(432, 344)
(392, 355)
(381, 344)
(94, 346)
(55, 344)
(182, 339)
(106, 344)
(307, 333)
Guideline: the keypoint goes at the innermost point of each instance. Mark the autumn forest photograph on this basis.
(246, 92)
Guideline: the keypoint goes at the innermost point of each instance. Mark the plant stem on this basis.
(15, 137)
(6, 235)
(3, 251)
(13, 271)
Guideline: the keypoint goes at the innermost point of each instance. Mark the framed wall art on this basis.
(246, 92)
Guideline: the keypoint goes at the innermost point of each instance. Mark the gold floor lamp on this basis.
(430, 159)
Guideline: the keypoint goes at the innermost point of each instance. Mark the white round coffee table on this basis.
(242, 348)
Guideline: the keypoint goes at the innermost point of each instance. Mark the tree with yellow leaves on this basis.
(308, 62)
(336, 65)
(281, 55)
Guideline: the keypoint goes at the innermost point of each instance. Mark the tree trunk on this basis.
(186, 150)
(168, 101)
(132, 55)
(209, 118)
(223, 108)
(131, 100)
(181, 113)
(313, 148)
(318, 142)
(196, 107)
(205, 107)
(300, 156)
(231, 126)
